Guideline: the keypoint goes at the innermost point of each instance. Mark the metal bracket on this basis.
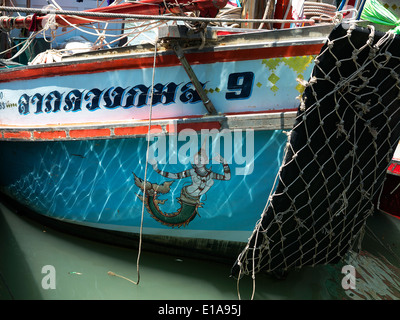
(192, 76)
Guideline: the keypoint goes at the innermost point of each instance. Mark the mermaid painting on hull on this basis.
(202, 180)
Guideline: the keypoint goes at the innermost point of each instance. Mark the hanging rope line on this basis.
(145, 177)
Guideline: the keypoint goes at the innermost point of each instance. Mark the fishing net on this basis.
(337, 155)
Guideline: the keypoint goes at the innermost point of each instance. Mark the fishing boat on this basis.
(78, 134)
(176, 140)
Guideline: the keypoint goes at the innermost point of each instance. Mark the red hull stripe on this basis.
(139, 130)
(49, 135)
(103, 133)
(17, 135)
(89, 133)
(168, 60)
(197, 126)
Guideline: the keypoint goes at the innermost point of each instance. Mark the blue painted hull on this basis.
(91, 183)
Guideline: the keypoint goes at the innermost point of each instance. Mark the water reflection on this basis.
(93, 180)
(82, 266)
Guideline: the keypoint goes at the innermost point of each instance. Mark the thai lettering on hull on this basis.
(239, 86)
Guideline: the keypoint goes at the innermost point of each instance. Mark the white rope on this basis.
(145, 179)
(147, 159)
(147, 17)
(26, 44)
(229, 12)
(226, 18)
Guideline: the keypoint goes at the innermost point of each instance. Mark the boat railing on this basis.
(53, 17)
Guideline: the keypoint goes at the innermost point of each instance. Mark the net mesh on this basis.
(337, 154)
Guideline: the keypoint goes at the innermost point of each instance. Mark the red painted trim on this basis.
(208, 8)
(198, 126)
(105, 132)
(89, 133)
(139, 130)
(70, 132)
(168, 60)
(49, 135)
(394, 168)
(394, 216)
(17, 135)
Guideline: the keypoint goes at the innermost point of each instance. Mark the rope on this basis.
(146, 17)
(229, 12)
(147, 157)
(193, 22)
(319, 11)
(26, 43)
(145, 178)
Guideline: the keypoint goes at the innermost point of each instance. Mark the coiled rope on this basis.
(321, 12)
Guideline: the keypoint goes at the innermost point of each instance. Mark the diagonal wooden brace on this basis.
(192, 76)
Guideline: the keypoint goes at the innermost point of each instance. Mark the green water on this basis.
(81, 270)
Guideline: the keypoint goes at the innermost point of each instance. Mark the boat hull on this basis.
(92, 183)
(75, 137)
